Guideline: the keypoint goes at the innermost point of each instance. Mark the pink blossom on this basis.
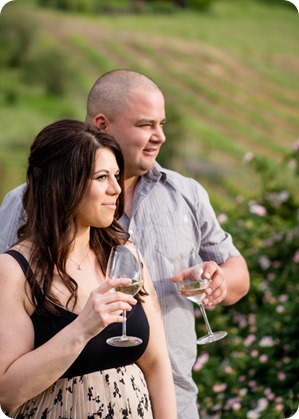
(239, 199)
(222, 218)
(219, 388)
(257, 209)
(197, 313)
(266, 342)
(201, 360)
(281, 376)
(248, 157)
(248, 341)
(262, 404)
(264, 262)
(296, 145)
(296, 257)
(263, 358)
(236, 406)
(269, 298)
(254, 353)
(283, 298)
(228, 369)
(279, 407)
(292, 164)
(243, 391)
(252, 414)
(268, 393)
(252, 318)
(280, 309)
(271, 276)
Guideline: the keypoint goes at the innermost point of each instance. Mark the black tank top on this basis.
(97, 354)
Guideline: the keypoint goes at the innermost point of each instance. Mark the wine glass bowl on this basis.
(124, 262)
(193, 287)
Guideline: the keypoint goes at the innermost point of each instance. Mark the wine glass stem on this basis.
(124, 325)
(204, 315)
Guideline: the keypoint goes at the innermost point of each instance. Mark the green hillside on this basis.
(230, 77)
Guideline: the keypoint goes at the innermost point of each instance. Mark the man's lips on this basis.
(151, 150)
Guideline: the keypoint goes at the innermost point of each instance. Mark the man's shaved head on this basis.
(111, 91)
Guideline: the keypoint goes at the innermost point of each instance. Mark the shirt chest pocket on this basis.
(175, 234)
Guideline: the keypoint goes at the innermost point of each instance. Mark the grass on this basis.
(231, 74)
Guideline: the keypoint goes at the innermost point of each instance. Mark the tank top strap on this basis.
(23, 262)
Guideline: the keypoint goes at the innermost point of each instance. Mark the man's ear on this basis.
(101, 122)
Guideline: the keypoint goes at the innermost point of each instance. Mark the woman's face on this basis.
(98, 207)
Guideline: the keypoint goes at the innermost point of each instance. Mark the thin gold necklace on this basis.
(79, 265)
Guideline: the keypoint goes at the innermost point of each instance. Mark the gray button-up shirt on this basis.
(172, 216)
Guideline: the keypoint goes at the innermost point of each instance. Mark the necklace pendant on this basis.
(79, 268)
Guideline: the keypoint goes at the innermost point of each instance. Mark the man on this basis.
(167, 215)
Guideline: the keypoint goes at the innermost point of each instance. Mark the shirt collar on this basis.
(157, 173)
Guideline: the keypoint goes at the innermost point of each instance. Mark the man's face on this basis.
(138, 129)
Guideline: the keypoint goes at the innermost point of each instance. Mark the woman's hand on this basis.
(104, 306)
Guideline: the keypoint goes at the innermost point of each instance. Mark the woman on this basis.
(56, 308)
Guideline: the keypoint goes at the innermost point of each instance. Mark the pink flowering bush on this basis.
(254, 372)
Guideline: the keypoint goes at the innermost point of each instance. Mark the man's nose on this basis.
(159, 135)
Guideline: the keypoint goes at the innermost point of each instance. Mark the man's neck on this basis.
(130, 185)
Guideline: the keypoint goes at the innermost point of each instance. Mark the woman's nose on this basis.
(114, 187)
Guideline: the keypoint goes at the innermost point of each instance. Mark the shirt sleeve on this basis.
(11, 219)
(216, 244)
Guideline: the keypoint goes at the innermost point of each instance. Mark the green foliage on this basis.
(48, 67)
(125, 6)
(43, 64)
(16, 35)
(174, 132)
(254, 373)
(199, 5)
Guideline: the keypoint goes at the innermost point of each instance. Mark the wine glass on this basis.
(124, 262)
(193, 288)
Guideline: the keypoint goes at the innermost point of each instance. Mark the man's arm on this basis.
(230, 281)
(11, 217)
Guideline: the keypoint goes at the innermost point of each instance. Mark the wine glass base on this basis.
(124, 341)
(212, 337)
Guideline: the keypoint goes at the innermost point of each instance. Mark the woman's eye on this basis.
(102, 177)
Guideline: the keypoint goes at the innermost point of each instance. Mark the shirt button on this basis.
(131, 232)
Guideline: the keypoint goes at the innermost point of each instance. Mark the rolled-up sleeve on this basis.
(11, 217)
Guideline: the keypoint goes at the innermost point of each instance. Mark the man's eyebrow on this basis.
(148, 120)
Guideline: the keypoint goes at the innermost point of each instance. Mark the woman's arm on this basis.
(24, 371)
(155, 362)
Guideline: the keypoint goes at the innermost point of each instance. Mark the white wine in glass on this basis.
(193, 288)
(124, 262)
